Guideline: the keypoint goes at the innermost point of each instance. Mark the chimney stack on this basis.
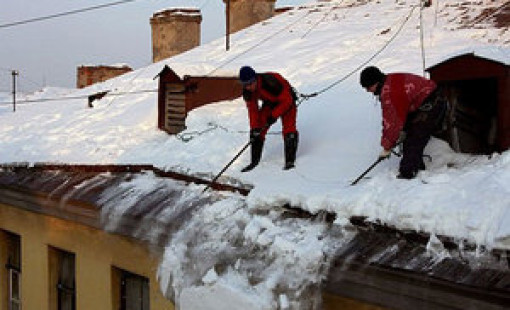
(174, 31)
(244, 13)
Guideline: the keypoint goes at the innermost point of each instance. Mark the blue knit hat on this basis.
(247, 75)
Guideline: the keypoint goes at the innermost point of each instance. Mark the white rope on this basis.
(421, 38)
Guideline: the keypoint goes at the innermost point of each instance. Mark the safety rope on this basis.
(365, 62)
(188, 136)
(421, 39)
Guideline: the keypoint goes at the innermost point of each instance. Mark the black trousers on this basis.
(419, 127)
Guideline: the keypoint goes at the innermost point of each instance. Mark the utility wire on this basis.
(80, 97)
(37, 19)
(237, 56)
(156, 90)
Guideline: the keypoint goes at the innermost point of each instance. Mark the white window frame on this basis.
(14, 301)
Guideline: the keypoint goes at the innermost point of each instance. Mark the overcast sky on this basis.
(47, 53)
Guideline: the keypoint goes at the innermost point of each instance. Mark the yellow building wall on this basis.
(96, 252)
(3, 272)
(334, 302)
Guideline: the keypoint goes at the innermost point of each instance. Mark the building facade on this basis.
(54, 264)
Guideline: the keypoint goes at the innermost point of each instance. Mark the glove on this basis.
(270, 121)
(255, 134)
(384, 154)
(401, 137)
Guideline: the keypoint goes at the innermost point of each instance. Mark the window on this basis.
(62, 280)
(12, 244)
(132, 291)
(14, 290)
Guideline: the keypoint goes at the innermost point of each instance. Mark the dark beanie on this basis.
(247, 75)
(370, 75)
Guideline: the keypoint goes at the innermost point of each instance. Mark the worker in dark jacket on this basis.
(410, 104)
(278, 101)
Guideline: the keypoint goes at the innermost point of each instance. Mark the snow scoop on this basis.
(226, 166)
(368, 170)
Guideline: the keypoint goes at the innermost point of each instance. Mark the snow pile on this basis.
(216, 245)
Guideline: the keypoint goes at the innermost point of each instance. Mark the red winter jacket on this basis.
(272, 89)
(401, 94)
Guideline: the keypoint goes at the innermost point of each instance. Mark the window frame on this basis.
(12, 300)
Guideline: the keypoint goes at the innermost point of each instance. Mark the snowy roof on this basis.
(317, 47)
(133, 201)
(499, 54)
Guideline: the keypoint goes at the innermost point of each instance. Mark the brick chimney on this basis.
(244, 13)
(174, 31)
(88, 75)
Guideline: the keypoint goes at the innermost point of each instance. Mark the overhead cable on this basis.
(37, 19)
(81, 97)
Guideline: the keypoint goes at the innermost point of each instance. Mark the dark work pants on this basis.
(419, 127)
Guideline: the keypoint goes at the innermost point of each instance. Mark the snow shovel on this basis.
(213, 181)
(368, 170)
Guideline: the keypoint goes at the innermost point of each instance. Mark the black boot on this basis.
(290, 147)
(256, 152)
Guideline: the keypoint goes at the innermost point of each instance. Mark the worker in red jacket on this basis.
(278, 101)
(410, 104)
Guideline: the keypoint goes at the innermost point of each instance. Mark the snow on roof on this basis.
(181, 11)
(499, 54)
(115, 65)
(463, 196)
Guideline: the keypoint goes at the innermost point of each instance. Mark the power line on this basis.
(235, 57)
(37, 19)
(81, 97)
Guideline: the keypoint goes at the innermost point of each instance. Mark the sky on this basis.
(318, 49)
(47, 53)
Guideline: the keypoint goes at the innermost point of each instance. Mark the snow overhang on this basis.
(380, 265)
(493, 53)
